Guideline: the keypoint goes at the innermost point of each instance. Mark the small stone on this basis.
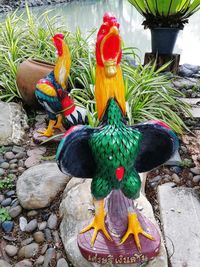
(42, 225)
(15, 202)
(52, 221)
(2, 197)
(4, 263)
(39, 237)
(39, 260)
(184, 149)
(2, 172)
(13, 166)
(9, 238)
(176, 178)
(57, 238)
(176, 169)
(9, 155)
(15, 211)
(195, 171)
(44, 249)
(20, 163)
(32, 213)
(10, 193)
(31, 161)
(6, 202)
(50, 257)
(21, 169)
(31, 226)
(22, 223)
(20, 155)
(48, 235)
(12, 161)
(7, 226)
(5, 165)
(18, 149)
(36, 151)
(11, 250)
(156, 179)
(28, 251)
(24, 263)
(62, 263)
(196, 179)
(27, 241)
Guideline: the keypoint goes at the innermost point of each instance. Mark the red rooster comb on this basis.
(59, 35)
(108, 45)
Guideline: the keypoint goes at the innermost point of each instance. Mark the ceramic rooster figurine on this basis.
(52, 95)
(114, 153)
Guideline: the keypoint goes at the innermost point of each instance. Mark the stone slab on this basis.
(180, 217)
(191, 101)
(195, 106)
(13, 123)
(75, 216)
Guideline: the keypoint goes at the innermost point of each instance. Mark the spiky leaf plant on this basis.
(166, 13)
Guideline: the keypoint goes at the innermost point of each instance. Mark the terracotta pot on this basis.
(28, 74)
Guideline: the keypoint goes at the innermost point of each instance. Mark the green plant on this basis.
(6, 184)
(166, 13)
(4, 215)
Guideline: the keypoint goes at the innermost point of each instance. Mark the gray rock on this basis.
(22, 223)
(20, 155)
(175, 160)
(39, 185)
(39, 261)
(39, 237)
(6, 202)
(20, 163)
(52, 221)
(38, 151)
(29, 251)
(9, 155)
(2, 197)
(44, 249)
(11, 250)
(27, 241)
(76, 215)
(18, 149)
(50, 256)
(4, 263)
(188, 70)
(24, 263)
(10, 193)
(13, 123)
(195, 171)
(48, 235)
(12, 161)
(15, 211)
(5, 165)
(32, 213)
(62, 263)
(15, 202)
(42, 225)
(31, 226)
(196, 179)
(31, 161)
(2, 172)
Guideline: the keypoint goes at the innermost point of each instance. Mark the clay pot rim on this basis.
(41, 62)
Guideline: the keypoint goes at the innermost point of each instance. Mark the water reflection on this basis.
(87, 14)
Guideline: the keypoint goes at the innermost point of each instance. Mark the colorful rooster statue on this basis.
(52, 95)
(112, 155)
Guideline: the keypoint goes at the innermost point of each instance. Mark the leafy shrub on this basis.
(4, 215)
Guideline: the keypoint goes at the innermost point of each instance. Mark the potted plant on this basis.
(165, 19)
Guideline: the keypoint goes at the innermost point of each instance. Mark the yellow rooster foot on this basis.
(49, 131)
(134, 227)
(59, 124)
(98, 224)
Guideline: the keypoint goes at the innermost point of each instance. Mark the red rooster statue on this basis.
(52, 95)
(112, 155)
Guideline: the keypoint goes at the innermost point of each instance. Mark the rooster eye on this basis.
(103, 31)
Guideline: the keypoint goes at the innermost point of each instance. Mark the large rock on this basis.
(13, 123)
(76, 215)
(39, 185)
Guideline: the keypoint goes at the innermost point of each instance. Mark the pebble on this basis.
(9, 155)
(196, 179)
(27, 241)
(12, 161)
(20, 155)
(31, 226)
(4, 263)
(24, 263)
(31, 161)
(57, 238)
(28, 251)
(18, 149)
(2, 172)
(50, 255)
(15, 202)
(39, 260)
(2, 197)
(22, 223)
(9, 238)
(176, 169)
(52, 221)
(195, 171)
(13, 166)
(39, 237)
(48, 235)
(6, 202)
(44, 249)
(20, 163)
(10, 193)
(42, 225)
(62, 263)
(5, 165)
(21, 169)
(32, 213)
(1, 159)
(7, 226)
(11, 250)
(184, 149)
(15, 211)
(36, 151)
(176, 178)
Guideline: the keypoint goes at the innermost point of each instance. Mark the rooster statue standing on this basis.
(112, 155)
(52, 95)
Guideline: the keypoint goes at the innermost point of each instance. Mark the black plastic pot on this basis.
(163, 40)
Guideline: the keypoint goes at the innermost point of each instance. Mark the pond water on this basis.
(87, 14)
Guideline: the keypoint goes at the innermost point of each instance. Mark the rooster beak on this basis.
(114, 31)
